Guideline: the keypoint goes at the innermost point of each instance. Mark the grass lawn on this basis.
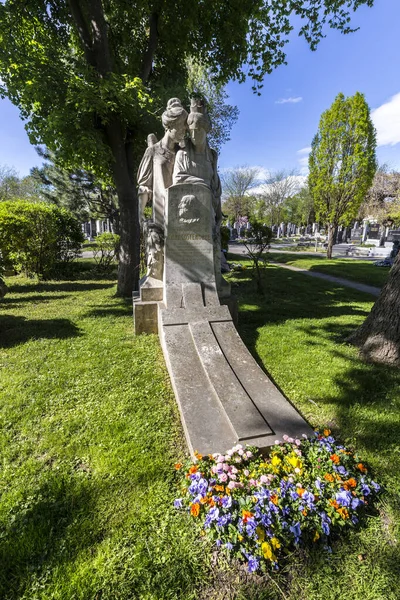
(90, 432)
(362, 271)
(89, 435)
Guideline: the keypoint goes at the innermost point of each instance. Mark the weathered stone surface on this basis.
(145, 317)
(215, 378)
(188, 241)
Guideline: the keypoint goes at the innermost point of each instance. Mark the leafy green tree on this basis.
(79, 191)
(342, 161)
(90, 76)
(223, 116)
(13, 186)
(35, 237)
(237, 184)
(256, 243)
(299, 208)
(279, 186)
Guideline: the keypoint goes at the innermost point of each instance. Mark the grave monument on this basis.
(223, 395)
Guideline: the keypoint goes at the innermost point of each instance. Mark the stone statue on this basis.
(197, 164)
(155, 176)
(154, 235)
(157, 165)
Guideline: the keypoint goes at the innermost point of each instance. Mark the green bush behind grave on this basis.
(36, 237)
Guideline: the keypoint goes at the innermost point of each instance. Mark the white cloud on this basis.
(303, 160)
(296, 182)
(290, 100)
(386, 119)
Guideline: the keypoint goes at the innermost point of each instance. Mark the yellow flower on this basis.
(275, 543)
(316, 536)
(261, 534)
(267, 551)
(294, 460)
(275, 461)
(240, 537)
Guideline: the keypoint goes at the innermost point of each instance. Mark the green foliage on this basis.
(35, 237)
(79, 191)
(342, 161)
(90, 78)
(256, 243)
(105, 250)
(223, 116)
(225, 237)
(12, 186)
(69, 98)
(299, 209)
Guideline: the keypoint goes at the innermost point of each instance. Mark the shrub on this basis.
(106, 249)
(37, 237)
(3, 287)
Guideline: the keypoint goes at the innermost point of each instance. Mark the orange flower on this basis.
(300, 491)
(198, 455)
(361, 467)
(274, 498)
(335, 458)
(211, 502)
(343, 512)
(178, 466)
(334, 504)
(246, 515)
(204, 500)
(350, 483)
(219, 488)
(193, 470)
(327, 432)
(195, 510)
(304, 512)
(329, 477)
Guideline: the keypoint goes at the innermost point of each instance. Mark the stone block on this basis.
(145, 317)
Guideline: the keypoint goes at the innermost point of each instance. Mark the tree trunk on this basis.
(330, 241)
(379, 336)
(129, 256)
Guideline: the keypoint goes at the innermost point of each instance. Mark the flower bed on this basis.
(259, 508)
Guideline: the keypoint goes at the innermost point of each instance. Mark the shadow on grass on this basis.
(27, 298)
(34, 536)
(18, 330)
(111, 311)
(58, 286)
(363, 397)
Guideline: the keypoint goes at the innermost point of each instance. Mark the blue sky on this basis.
(273, 129)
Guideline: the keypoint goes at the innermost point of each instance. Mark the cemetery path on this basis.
(361, 287)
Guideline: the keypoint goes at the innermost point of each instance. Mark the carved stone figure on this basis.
(187, 210)
(197, 163)
(156, 168)
(154, 249)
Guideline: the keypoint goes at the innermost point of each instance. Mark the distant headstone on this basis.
(393, 235)
(373, 232)
(356, 234)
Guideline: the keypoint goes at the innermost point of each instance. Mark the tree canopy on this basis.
(342, 161)
(91, 76)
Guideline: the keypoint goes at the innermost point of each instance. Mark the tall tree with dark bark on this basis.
(91, 76)
(342, 162)
(379, 336)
